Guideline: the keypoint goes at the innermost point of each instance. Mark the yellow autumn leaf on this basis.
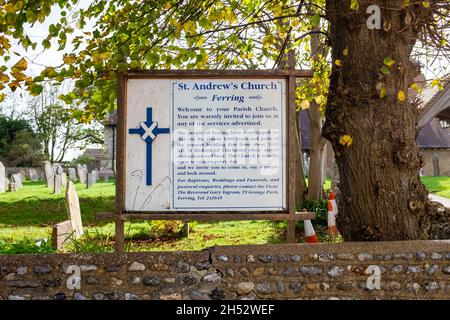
(437, 83)
(320, 99)
(304, 104)
(13, 85)
(4, 42)
(346, 140)
(9, 8)
(4, 77)
(190, 26)
(401, 96)
(69, 59)
(416, 87)
(383, 92)
(426, 4)
(345, 52)
(354, 5)
(19, 76)
(20, 65)
(338, 63)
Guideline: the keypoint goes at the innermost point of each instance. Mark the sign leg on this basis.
(291, 231)
(119, 236)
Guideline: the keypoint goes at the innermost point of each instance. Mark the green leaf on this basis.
(36, 90)
(315, 20)
(46, 43)
(97, 97)
(388, 61)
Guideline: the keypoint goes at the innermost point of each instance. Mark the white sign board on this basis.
(205, 145)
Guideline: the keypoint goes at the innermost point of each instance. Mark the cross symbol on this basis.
(148, 131)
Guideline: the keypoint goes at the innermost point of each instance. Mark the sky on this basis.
(38, 59)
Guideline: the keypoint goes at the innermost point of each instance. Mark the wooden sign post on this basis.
(207, 145)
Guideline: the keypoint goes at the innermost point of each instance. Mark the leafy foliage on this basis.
(26, 246)
(18, 143)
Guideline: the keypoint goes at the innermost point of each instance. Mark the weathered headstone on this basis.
(57, 168)
(90, 180)
(23, 174)
(82, 173)
(12, 187)
(63, 179)
(49, 174)
(17, 179)
(33, 174)
(2, 177)
(61, 234)
(436, 169)
(73, 209)
(94, 176)
(72, 174)
(57, 186)
(6, 183)
(105, 174)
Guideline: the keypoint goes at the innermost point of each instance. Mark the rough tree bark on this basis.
(382, 195)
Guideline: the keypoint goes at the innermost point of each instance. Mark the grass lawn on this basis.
(438, 185)
(30, 213)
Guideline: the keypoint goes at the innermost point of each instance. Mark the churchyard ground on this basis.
(28, 215)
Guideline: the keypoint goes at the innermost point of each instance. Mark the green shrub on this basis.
(320, 207)
(26, 246)
(165, 229)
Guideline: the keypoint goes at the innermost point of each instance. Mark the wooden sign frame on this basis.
(289, 214)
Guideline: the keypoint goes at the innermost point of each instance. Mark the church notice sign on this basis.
(204, 144)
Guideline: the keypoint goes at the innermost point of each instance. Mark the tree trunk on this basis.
(315, 174)
(315, 181)
(382, 195)
(300, 184)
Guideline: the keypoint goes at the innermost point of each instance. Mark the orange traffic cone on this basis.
(310, 235)
(331, 219)
(335, 208)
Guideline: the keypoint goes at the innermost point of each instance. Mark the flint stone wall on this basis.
(408, 270)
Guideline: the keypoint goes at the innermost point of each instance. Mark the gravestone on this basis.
(436, 169)
(63, 179)
(82, 173)
(17, 179)
(57, 186)
(94, 176)
(105, 174)
(61, 234)
(90, 180)
(6, 183)
(2, 177)
(57, 168)
(49, 174)
(72, 174)
(73, 210)
(12, 187)
(33, 174)
(23, 174)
